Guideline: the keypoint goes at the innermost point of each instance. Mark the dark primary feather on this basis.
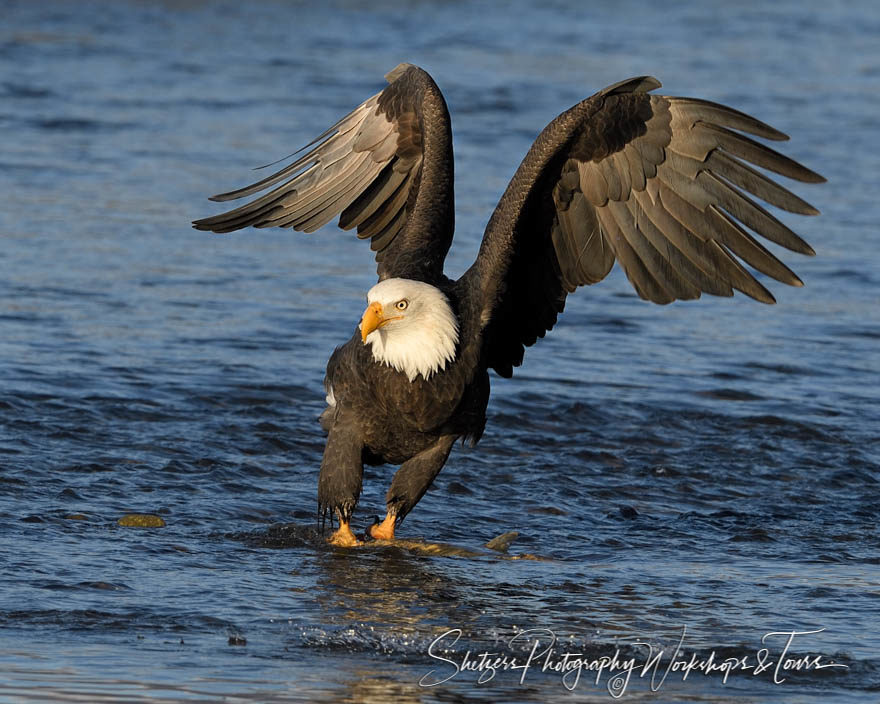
(659, 184)
(385, 168)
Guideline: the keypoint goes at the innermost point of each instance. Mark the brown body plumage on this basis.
(658, 184)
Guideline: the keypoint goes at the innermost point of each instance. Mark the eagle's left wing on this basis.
(658, 184)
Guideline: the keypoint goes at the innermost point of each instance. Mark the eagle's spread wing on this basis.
(370, 169)
(657, 183)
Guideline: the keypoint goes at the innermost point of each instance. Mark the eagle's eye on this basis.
(401, 305)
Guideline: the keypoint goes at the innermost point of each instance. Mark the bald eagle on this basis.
(657, 183)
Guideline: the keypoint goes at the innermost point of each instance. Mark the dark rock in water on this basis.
(237, 640)
(549, 510)
(458, 488)
(628, 512)
(503, 541)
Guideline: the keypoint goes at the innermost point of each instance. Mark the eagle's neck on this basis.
(424, 346)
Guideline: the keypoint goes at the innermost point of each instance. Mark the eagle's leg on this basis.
(410, 483)
(340, 480)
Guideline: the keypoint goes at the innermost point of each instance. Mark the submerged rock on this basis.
(141, 520)
(502, 542)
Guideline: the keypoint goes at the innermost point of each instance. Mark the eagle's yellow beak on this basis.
(373, 319)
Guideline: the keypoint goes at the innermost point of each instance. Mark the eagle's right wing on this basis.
(369, 169)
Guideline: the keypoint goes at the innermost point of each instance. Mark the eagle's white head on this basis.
(410, 326)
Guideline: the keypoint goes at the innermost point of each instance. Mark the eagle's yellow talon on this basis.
(343, 537)
(385, 529)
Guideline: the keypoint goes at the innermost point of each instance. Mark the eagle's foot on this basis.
(343, 537)
(385, 529)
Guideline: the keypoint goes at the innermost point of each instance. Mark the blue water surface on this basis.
(704, 473)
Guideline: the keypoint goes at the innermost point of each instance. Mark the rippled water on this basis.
(709, 466)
